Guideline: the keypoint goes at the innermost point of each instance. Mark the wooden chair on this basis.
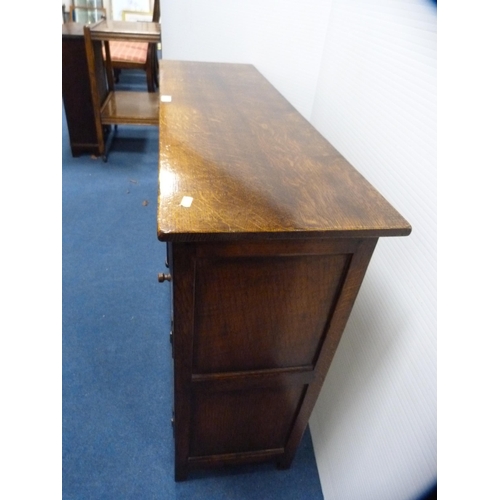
(113, 107)
(137, 55)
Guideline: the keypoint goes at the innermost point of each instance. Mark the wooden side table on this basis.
(113, 107)
(85, 133)
(269, 232)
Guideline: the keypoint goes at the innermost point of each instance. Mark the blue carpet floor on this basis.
(117, 365)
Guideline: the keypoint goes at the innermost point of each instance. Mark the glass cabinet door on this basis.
(88, 11)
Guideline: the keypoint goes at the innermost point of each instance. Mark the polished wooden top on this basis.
(253, 166)
(126, 30)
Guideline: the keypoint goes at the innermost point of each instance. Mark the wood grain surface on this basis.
(254, 167)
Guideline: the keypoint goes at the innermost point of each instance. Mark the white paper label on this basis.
(166, 98)
(186, 201)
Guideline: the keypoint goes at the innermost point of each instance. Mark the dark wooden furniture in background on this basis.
(113, 107)
(76, 93)
(269, 232)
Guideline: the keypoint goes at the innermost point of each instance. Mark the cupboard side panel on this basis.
(342, 310)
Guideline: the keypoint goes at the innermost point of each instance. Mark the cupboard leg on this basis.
(181, 473)
(283, 463)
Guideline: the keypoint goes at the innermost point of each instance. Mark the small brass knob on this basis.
(164, 277)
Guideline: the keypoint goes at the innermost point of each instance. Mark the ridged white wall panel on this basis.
(374, 427)
(282, 38)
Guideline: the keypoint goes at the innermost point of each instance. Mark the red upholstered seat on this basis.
(133, 52)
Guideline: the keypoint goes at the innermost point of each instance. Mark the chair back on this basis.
(99, 80)
(156, 11)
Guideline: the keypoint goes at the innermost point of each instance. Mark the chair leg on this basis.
(150, 79)
(155, 75)
(107, 144)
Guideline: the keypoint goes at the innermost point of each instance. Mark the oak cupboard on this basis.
(268, 233)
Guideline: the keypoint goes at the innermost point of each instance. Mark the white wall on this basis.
(374, 427)
(282, 38)
(364, 73)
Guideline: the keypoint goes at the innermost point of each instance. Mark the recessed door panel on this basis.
(263, 312)
(242, 421)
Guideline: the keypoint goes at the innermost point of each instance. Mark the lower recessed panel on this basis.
(242, 421)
